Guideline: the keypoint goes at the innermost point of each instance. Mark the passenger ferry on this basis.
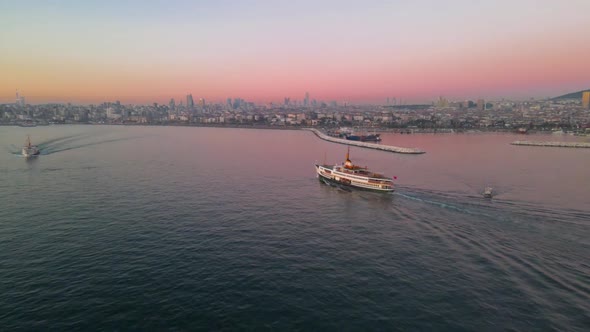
(350, 175)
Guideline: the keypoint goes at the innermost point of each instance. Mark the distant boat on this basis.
(488, 192)
(30, 150)
(364, 138)
(28, 124)
(558, 131)
(522, 130)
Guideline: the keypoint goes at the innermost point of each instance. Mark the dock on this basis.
(381, 147)
(553, 144)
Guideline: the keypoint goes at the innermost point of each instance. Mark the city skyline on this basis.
(265, 51)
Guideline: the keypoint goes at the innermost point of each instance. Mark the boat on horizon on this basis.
(27, 124)
(348, 134)
(352, 176)
(364, 138)
(30, 150)
(488, 192)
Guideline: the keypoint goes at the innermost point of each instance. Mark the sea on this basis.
(192, 228)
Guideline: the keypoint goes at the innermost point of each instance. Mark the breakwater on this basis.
(553, 144)
(387, 148)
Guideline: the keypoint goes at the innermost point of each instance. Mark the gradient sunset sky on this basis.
(355, 51)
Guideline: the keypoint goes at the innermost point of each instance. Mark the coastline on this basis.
(401, 131)
(579, 145)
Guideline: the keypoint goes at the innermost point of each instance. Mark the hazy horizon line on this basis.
(162, 100)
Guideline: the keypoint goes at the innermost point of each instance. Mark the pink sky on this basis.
(352, 52)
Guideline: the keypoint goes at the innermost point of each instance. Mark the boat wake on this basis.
(64, 146)
(443, 205)
(501, 210)
(66, 143)
(517, 241)
(59, 141)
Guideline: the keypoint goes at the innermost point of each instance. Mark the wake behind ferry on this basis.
(350, 175)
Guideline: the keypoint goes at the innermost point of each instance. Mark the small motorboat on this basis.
(488, 192)
(30, 150)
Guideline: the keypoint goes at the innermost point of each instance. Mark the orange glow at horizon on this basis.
(145, 65)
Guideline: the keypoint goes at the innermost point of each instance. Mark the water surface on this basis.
(200, 228)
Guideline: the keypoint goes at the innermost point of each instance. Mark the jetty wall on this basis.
(553, 144)
(388, 148)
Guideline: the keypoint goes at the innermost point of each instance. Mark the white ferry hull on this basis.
(340, 178)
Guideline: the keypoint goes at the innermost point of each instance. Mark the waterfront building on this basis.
(481, 105)
(586, 99)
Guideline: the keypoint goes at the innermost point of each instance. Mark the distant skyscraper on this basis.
(481, 105)
(287, 101)
(237, 103)
(586, 99)
(306, 100)
(20, 100)
(172, 104)
(202, 102)
(190, 103)
(442, 102)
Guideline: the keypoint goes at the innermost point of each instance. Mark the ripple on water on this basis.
(141, 235)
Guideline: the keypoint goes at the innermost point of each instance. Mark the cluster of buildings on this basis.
(567, 114)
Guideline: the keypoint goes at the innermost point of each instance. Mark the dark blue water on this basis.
(195, 228)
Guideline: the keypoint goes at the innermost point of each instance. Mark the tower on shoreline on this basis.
(20, 100)
(586, 99)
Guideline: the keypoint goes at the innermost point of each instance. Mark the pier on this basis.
(553, 144)
(387, 148)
